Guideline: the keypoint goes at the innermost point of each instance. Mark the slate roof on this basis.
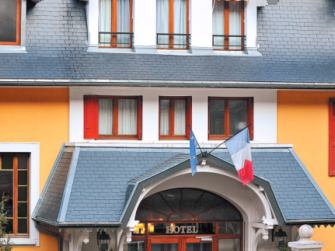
(106, 181)
(296, 40)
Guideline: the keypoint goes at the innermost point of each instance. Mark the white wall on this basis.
(265, 111)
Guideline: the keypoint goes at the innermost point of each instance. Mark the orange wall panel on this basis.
(303, 121)
(36, 115)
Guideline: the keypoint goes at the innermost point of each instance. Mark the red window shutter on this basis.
(188, 116)
(251, 117)
(91, 117)
(139, 117)
(332, 137)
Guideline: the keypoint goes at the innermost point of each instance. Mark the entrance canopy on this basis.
(101, 186)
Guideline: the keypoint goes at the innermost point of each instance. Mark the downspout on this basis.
(59, 238)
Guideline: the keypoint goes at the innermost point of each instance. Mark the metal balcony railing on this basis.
(116, 39)
(173, 41)
(229, 42)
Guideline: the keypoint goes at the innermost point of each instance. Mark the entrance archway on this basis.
(187, 219)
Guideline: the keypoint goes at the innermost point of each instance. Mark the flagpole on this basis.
(202, 154)
(229, 139)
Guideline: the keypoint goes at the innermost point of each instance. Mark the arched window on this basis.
(186, 204)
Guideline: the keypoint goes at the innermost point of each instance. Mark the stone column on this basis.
(305, 243)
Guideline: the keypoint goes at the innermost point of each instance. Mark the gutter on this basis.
(59, 238)
(163, 83)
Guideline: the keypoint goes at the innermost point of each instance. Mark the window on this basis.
(116, 25)
(172, 24)
(10, 22)
(228, 116)
(175, 117)
(111, 117)
(228, 25)
(14, 180)
(332, 137)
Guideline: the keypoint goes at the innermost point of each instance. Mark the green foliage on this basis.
(284, 247)
(111, 249)
(5, 244)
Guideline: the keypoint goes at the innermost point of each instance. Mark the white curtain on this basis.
(218, 24)
(235, 25)
(179, 22)
(123, 22)
(105, 21)
(179, 117)
(127, 116)
(105, 116)
(162, 21)
(165, 117)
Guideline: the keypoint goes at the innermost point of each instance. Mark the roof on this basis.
(104, 184)
(296, 46)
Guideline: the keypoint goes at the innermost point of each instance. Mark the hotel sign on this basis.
(185, 229)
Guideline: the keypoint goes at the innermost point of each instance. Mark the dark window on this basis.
(10, 18)
(228, 116)
(175, 117)
(14, 190)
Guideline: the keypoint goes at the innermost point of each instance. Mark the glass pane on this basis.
(23, 194)
(207, 201)
(162, 22)
(8, 20)
(217, 117)
(180, 10)
(229, 227)
(229, 245)
(218, 24)
(190, 196)
(238, 115)
(181, 216)
(7, 161)
(173, 198)
(156, 202)
(22, 226)
(22, 210)
(235, 25)
(22, 161)
(105, 116)
(105, 22)
(123, 22)
(165, 117)
(6, 191)
(164, 247)
(22, 178)
(145, 214)
(134, 246)
(127, 115)
(9, 226)
(199, 247)
(179, 117)
(139, 229)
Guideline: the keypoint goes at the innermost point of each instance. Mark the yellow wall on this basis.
(303, 122)
(36, 115)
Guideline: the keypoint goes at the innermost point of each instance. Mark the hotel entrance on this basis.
(187, 219)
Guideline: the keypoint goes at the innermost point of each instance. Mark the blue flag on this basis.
(193, 154)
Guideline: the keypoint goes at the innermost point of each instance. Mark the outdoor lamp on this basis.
(280, 238)
(103, 240)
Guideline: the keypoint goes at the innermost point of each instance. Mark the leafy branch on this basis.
(5, 244)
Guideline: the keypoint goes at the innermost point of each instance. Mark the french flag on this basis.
(240, 151)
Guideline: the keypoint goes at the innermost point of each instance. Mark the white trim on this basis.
(34, 180)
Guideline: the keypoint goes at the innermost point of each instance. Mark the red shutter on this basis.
(251, 117)
(91, 117)
(332, 137)
(139, 117)
(188, 116)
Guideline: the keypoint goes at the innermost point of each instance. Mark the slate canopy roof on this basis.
(100, 186)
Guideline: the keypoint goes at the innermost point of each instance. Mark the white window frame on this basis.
(34, 174)
(21, 48)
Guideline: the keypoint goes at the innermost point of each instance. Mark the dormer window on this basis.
(10, 22)
(228, 25)
(172, 24)
(116, 26)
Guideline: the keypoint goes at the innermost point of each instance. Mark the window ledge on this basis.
(198, 51)
(12, 49)
(22, 241)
